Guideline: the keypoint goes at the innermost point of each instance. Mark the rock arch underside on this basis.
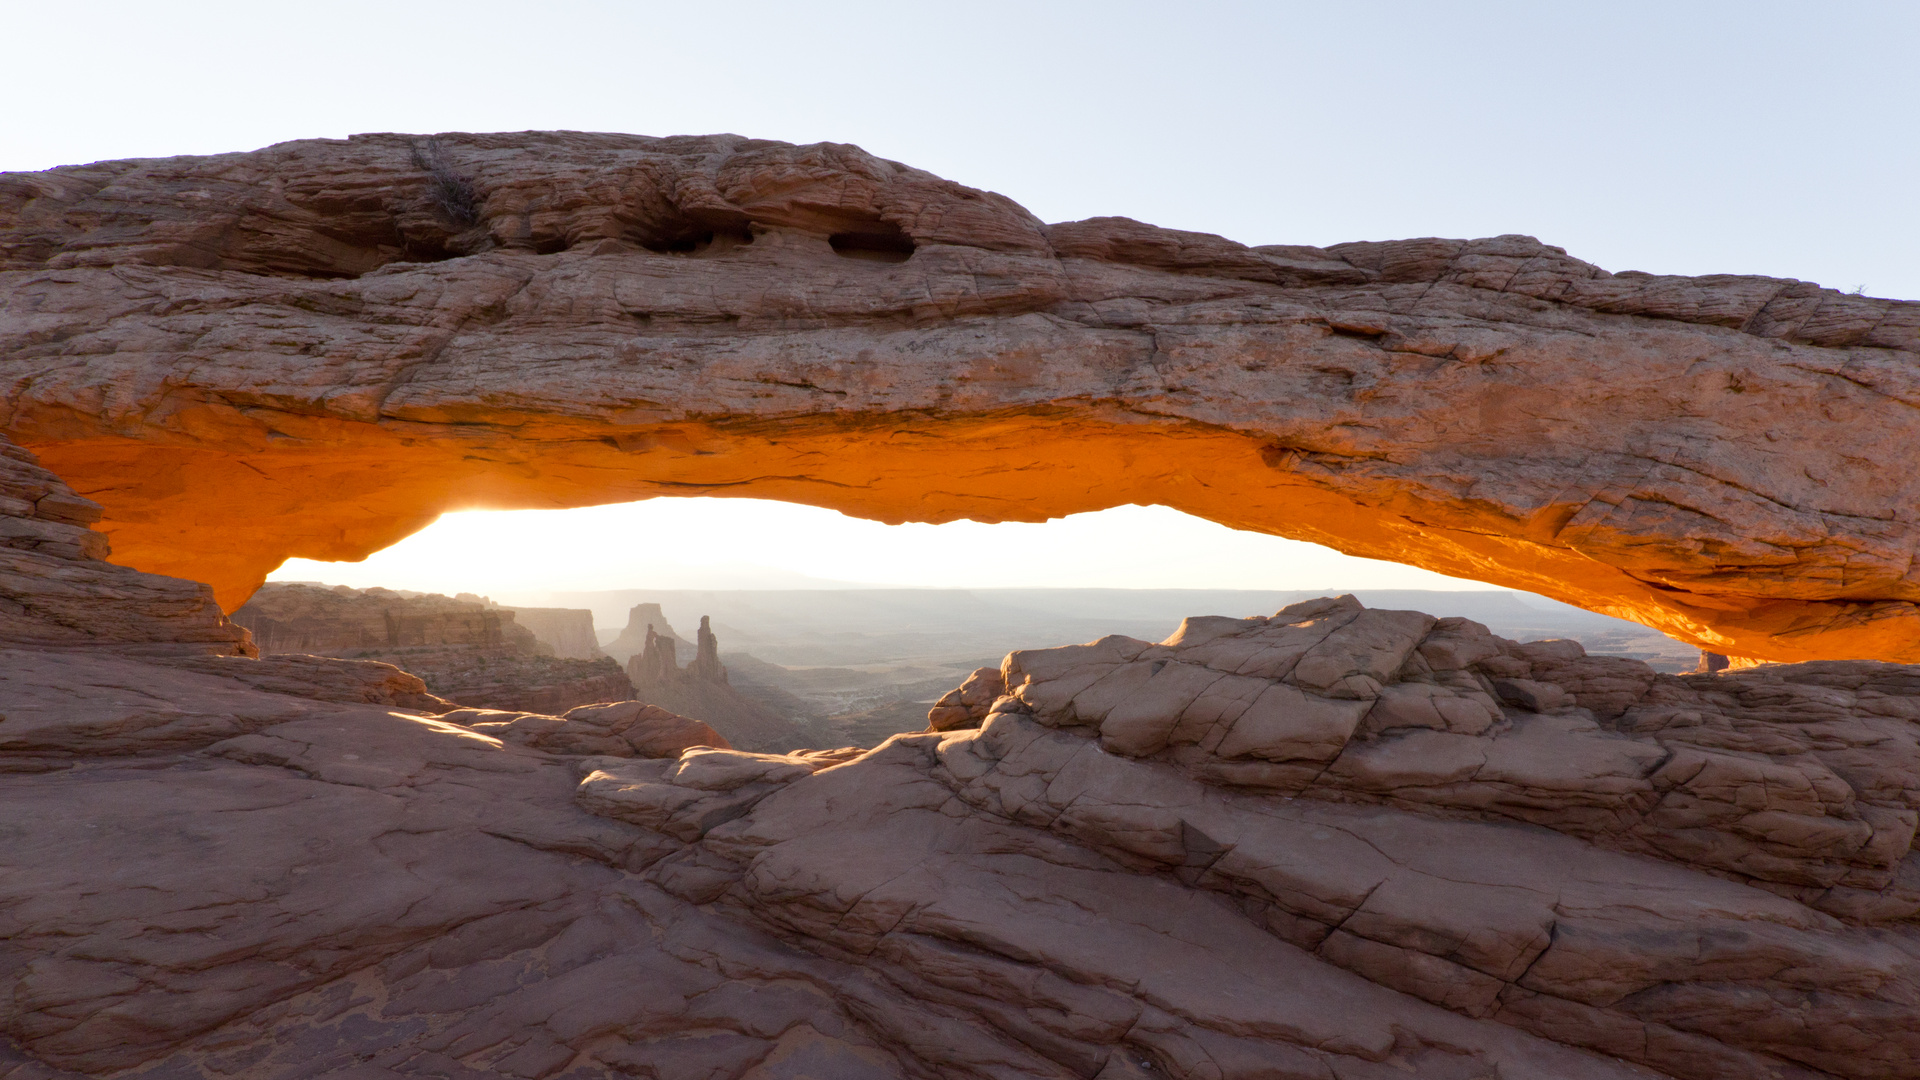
(314, 349)
(1326, 843)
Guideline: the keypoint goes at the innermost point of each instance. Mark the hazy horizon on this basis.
(711, 543)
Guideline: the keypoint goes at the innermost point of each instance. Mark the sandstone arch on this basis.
(316, 348)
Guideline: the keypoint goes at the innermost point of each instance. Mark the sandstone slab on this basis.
(261, 882)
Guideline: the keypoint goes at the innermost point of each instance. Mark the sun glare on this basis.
(752, 543)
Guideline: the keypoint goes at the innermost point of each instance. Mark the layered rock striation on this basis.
(464, 648)
(1724, 885)
(316, 348)
(301, 618)
(1803, 780)
(1334, 843)
(57, 589)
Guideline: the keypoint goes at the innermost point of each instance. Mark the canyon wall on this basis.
(465, 648)
(300, 618)
(567, 631)
(314, 349)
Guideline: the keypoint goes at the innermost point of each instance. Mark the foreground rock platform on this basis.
(314, 349)
(1332, 843)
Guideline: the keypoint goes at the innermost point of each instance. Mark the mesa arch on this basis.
(316, 348)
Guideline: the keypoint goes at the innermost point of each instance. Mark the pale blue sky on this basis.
(1752, 137)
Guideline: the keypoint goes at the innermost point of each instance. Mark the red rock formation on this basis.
(1335, 843)
(655, 665)
(706, 665)
(614, 728)
(56, 589)
(966, 705)
(503, 678)
(290, 617)
(701, 689)
(464, 648)
(1331, 843)
(316, 348)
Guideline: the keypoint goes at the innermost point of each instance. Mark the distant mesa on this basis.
(644, 619)
(567, 631)
(465, 648)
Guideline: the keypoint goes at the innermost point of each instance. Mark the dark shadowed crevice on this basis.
(877, 241)
(695, 240)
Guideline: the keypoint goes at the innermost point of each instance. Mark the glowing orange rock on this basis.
(315, 349)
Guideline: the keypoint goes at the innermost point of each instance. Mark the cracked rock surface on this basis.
(316, 348)
(1238, 854)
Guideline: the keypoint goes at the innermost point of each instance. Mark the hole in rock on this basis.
(878, 241)
(834, 630)
(1365, 333)
(701, 241)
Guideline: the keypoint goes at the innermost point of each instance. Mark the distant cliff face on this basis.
(643, 619)
(567, 631)
(465, 648)
(289, 617)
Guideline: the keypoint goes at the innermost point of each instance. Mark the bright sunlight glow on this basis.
(758, 544)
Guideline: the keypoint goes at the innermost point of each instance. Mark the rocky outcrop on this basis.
(316, 348)
(1803, 780)
(706, 665)
(656, 664)
(613, 729)
(702, 690)
(502, 678)
(968, 704)
(324, 678)
(1174, 859)
(57, 589)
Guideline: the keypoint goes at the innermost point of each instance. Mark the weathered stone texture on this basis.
(293, 617)
(465, 649)
(316, 348)
(56, 589)
(1309, 845)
